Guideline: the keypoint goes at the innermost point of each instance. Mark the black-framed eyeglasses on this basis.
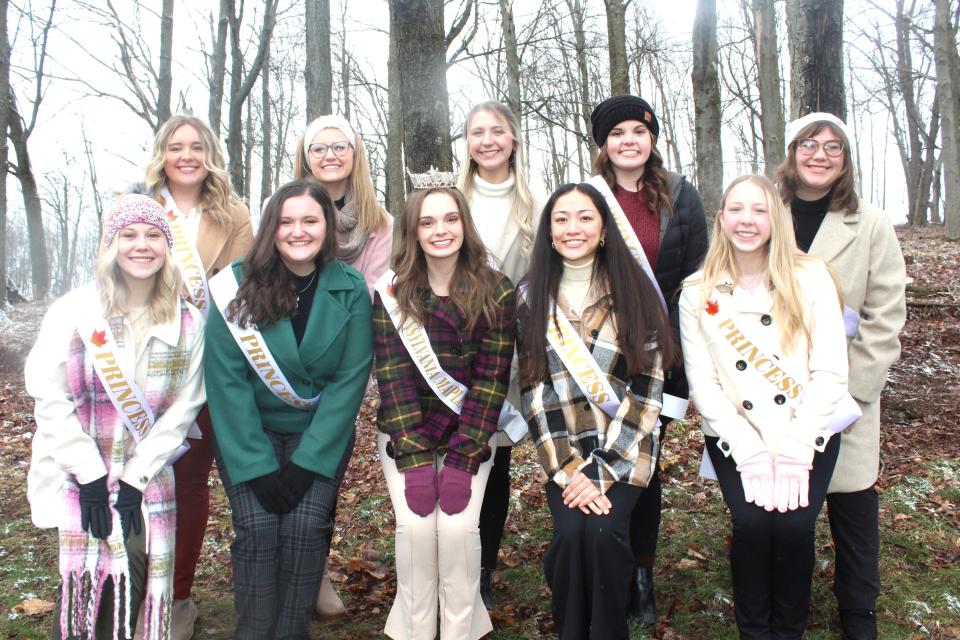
(809, 146)
(319, 150)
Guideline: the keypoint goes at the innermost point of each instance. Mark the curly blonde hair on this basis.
(217, 196)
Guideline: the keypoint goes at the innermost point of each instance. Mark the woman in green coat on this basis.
(287, 361)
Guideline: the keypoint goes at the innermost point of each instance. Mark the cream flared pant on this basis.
(438, 561)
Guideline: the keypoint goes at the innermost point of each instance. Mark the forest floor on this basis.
(919, 496)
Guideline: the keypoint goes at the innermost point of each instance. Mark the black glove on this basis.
(128, 504)
(95, 508)
(272, 494)
(297, 480)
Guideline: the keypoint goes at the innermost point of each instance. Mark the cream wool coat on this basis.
(865, 254)
(743, 396)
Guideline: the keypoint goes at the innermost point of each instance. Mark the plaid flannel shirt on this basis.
(571, 433)
(417, 421)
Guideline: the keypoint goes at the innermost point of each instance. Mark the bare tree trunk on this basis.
(165, 77)
(4, 119)
(318, 67)
(578, 15)
(706, 105)
(240, 87)
(948, 75)
(266, 129)
(394, 169)
(768, 81)
(422, 65)
(218, 66)
(815, 30)
(617, 39)
(509, 29)
(39, 264)
(94, 181)
(345, 67)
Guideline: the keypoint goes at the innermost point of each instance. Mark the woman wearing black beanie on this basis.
(666, 214)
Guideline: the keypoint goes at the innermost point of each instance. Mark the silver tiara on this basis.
(433, 179)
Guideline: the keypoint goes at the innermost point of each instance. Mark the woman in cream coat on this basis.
(817, 180)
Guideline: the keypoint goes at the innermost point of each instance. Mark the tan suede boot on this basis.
(329, 604)
(183, 616)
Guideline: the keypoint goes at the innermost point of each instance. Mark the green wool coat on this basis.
(334, 358)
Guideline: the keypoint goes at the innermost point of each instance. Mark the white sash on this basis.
(846, 412)
(112, 364)
(187, 258)
(578, 360)
(627, 232)
(417, 342)
(224, 288)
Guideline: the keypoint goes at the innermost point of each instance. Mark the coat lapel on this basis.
(836, 233)
(283, 346)
(327, 318)
(210, 241)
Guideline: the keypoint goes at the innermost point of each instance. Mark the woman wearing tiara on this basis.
(443, 338)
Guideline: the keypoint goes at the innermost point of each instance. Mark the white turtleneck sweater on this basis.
(492, 208)
(575, 284)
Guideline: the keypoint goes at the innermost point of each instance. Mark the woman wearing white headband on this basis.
(817, 180)
(332, 152)
(117, 377)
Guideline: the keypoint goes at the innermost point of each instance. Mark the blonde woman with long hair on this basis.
(506, 208)
(116, 373)
(764, 349)
(211, 228)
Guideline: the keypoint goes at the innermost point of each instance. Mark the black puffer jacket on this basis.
(683, 245)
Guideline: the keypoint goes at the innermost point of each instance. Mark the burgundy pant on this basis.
(192, 472)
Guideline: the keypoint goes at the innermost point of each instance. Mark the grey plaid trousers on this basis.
(278, 560)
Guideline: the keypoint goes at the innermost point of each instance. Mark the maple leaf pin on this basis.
(171, 216)
(99, 338)
(390, 290)
(713, 307)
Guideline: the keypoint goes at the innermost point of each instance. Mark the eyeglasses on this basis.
(809, 146)
(339, 149)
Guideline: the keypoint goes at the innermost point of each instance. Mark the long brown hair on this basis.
(639, 316)
(843, 194)
(473, 281)
(217, 196)
(654, 177)
(268, 292)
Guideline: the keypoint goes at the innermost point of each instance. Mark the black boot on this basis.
(643, 604)
(858, 624)
(486, 590)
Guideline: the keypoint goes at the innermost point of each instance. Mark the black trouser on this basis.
(588, 566)
(772, 553)
(645, 521)
(855, 525)
(493, 511)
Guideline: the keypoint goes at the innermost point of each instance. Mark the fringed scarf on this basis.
(86, 562)
(351, 237)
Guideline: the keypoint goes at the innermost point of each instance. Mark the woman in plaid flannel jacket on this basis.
(597, 464)
(437, 461)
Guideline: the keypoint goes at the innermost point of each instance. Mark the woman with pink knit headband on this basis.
(117, 378)
(332, 152)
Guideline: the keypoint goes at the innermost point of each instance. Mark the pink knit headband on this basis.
(131, 209)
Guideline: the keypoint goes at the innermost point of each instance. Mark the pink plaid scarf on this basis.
(86, 562)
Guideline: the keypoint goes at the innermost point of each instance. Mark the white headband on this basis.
(794, 128)
(327, 122)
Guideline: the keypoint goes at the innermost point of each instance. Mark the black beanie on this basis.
(615, 110)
